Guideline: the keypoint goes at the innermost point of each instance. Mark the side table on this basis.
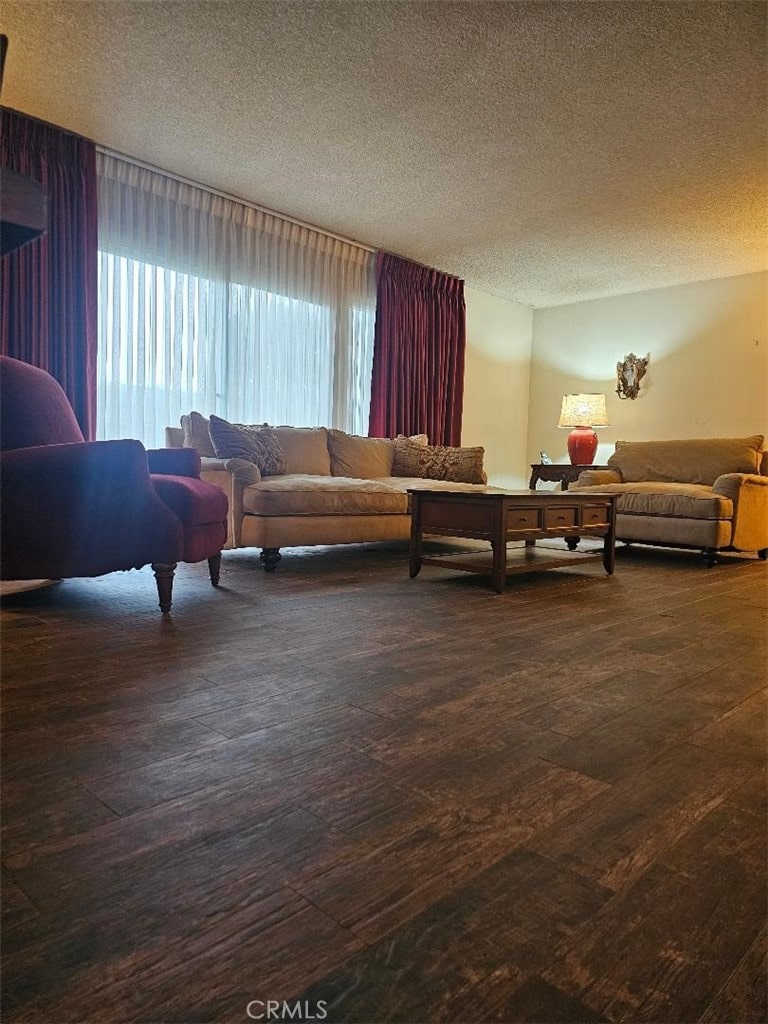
(563, 472)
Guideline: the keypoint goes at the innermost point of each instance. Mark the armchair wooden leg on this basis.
(710, 556)
(763, 553)
(164, 577)
(214, 568)
(269, 558)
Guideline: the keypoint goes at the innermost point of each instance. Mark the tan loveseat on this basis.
(337, 489)
(709, 493)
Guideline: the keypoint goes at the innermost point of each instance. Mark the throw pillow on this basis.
(438, 462)
(421, 439)
(196, 435)
(256, 444)
(361, 458)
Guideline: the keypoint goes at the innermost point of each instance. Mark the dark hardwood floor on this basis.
(388, 799)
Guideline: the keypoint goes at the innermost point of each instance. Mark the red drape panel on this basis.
(48, 288)
(418, 356)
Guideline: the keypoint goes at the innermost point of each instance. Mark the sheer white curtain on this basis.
(208, 304)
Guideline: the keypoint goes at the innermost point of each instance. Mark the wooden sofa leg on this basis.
(164, 577)
(269, 558)
(710, 556)
(214, 568)
(763, 553)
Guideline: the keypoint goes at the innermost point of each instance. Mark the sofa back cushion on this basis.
(364, 458)
(438, 462)
(695, 461)
(197, 435)
(306, 450)
(174, 437)
(361, 458)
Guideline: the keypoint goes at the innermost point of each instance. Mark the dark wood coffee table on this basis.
(502, 516)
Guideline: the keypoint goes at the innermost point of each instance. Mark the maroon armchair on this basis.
(77, 508)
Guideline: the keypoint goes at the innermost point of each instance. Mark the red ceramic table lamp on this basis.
(583, 412)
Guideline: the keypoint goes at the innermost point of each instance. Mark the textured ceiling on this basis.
(546, 152)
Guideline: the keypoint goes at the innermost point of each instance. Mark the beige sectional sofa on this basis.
(337, 489)
(709, 493)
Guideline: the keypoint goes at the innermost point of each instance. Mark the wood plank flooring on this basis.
(381, 799)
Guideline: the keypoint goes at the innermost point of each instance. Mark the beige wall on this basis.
(707, 375)
(496, 385)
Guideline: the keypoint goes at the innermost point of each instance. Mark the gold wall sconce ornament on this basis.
(629, 373)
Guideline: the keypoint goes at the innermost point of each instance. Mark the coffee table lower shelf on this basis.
(528, 559)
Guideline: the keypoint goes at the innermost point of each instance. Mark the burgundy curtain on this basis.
(48, 288)
(418, 355)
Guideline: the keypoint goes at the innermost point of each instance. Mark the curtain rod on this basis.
(232, 197)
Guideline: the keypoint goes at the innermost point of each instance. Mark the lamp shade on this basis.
(583, 411)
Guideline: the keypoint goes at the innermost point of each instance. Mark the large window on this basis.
(210, 305)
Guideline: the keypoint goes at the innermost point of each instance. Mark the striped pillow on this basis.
(256, 444)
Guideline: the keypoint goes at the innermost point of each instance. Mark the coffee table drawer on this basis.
(523, 519)
(561, 518)
(594, 515)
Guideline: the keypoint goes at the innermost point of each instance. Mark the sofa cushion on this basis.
(306, 450)
(305, 495)
(657, 498)
(256, 444)
(438, 462)
(196, 434)
(363, 458)
(694, 461)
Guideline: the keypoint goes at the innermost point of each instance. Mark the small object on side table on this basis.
(563, 472)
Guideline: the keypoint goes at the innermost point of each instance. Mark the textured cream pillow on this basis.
(196, 435)
(438, 462)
